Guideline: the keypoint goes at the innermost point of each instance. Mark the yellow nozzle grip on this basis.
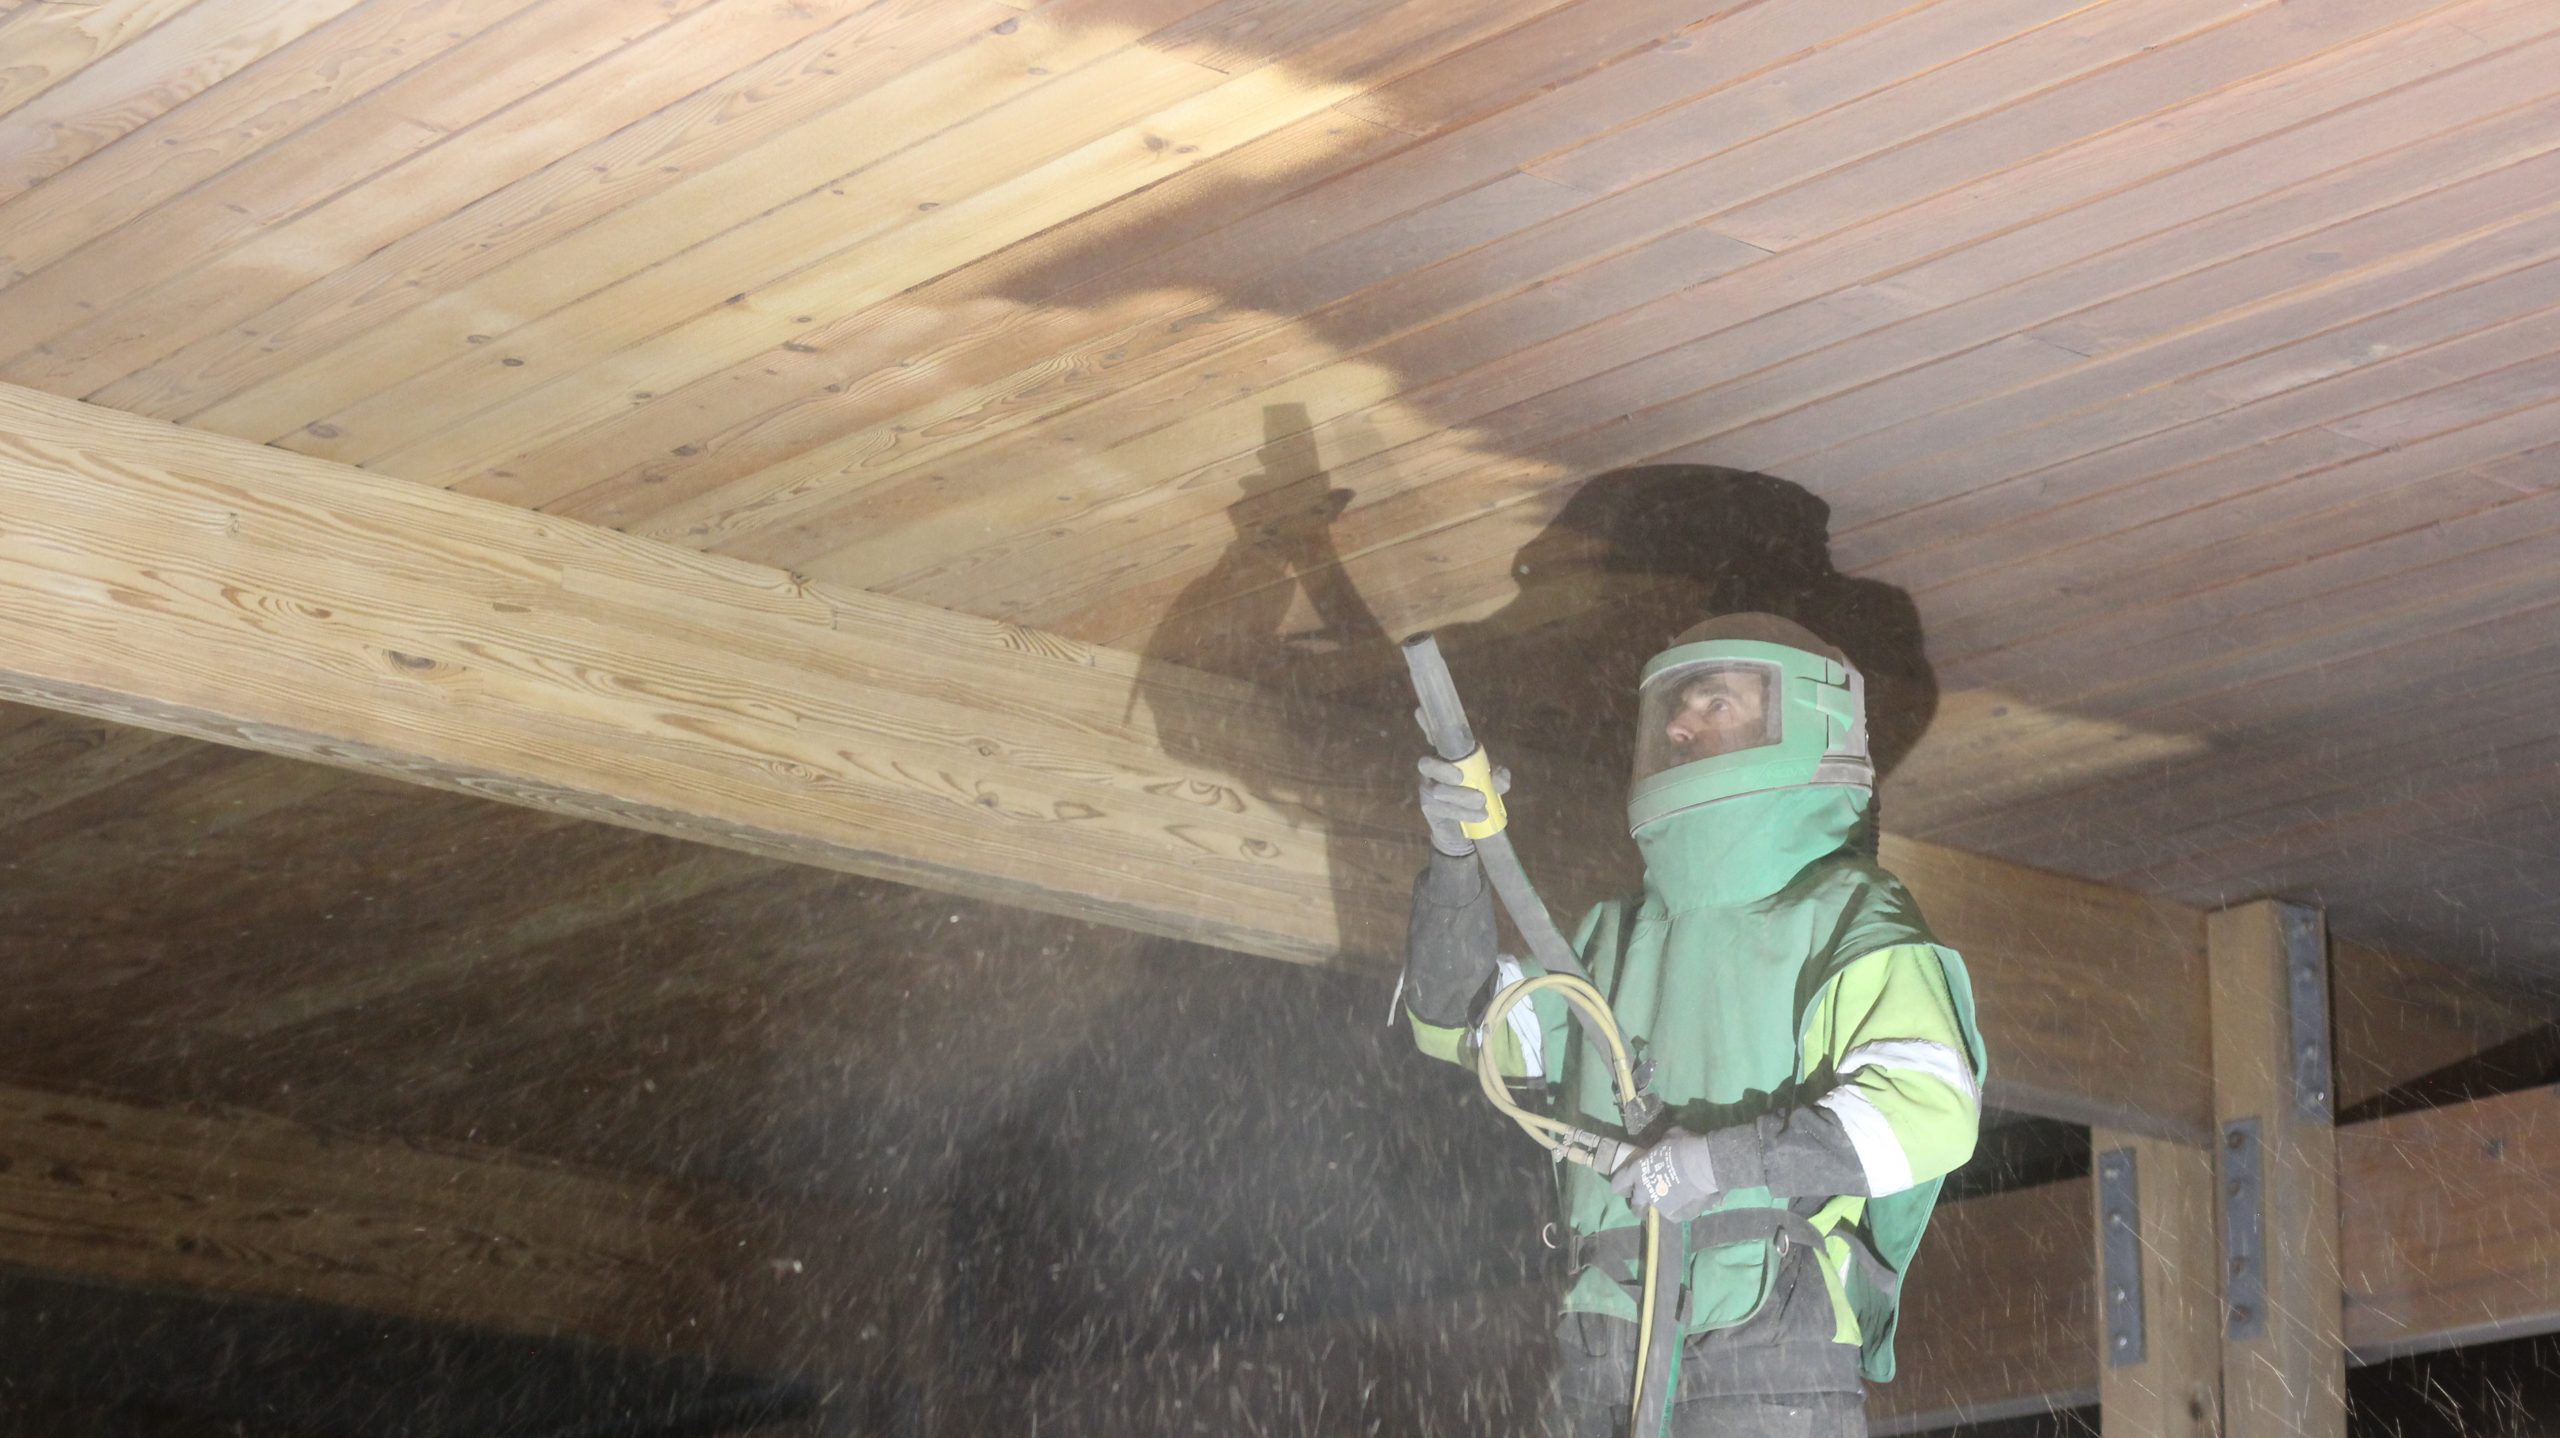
(1476, 772)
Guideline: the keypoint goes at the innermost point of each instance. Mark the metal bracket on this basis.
(2120, 1256)
(2306, 967)
(2244, 1232)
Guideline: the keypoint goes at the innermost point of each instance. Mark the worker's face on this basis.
(1704, 712)
(1716, 713)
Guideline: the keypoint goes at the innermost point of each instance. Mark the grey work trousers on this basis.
(1777, 1375)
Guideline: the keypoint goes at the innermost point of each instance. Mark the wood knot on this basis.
(411, 661)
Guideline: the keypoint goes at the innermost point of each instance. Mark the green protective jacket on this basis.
(1798, 1013)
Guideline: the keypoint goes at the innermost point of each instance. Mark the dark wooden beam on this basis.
(256, 1206)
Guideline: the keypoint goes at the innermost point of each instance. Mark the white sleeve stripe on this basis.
(1888, 1168)
(1917, 1056)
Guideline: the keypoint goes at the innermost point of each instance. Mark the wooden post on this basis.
(2158, 1309)
(2283, 1357)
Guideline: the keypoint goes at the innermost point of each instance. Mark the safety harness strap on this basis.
(1619, 1252)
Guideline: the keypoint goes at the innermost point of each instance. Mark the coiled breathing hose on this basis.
(1444, 723)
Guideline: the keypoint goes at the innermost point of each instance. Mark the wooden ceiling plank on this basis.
(1967, 532)
(1552, 50)
(440, 425)
(677, 53)
(49, 44)
(1852, 125)
(1996, 545)
(1242, 257)
(2361, 257)
(2207, 52)
(982, 330)
(869, 94)
(790, 136)
(1945, 65)
(1001, 205)
(2202, 845)
(1257, 103)
(282, 181)
(2312, 535)
(1779, 433)
(504, 937)
(303, 84)
(58, 760)
(1350, 540)
(1094, 573)
(2388, 718)
(246, 1204)
(913, 530)
(123, 85)
(2239, 648)
(2480, 831)
(1149, 360)
(2157, 475)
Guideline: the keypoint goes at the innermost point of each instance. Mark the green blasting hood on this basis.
(1813, 735)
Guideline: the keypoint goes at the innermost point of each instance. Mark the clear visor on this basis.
(1703, 710)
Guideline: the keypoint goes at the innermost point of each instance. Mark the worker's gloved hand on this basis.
(1675, 1178)
(1447, 802)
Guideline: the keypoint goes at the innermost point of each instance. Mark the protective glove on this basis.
(1447, 802)
(1675, 1178)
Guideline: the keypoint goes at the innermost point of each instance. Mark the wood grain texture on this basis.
(209, 587)
(2019, 941)
(2176, 1390)
(482, 647)
(2447, 1225)
(2287, 1375)
(1997, 1316)
(2204, 343)
(241, 1203)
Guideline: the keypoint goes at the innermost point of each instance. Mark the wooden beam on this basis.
(234, 1204)
(203, 586)
(1995, 1313)
(2399, 1019)
(2092, 998)
(257, 1206)
(2160, 1359)
(2284, 1372)
(200, 585)
(2449, 1219)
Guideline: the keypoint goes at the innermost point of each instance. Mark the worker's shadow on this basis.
(1278, 609)
(1634, 557)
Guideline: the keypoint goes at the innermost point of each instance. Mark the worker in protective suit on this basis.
(1813, 1046)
